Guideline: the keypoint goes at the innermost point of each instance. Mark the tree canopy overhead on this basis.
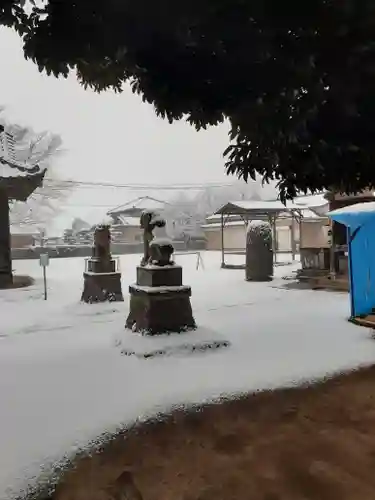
(296, 80)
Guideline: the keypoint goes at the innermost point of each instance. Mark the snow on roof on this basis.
(253, 205)
(214, 225)
(311, 201)
(275, 207)
(270, 207)
(10, 169)
(354, 216)
(311, 214)
(217, 217)
(11, 165)
(142, 203)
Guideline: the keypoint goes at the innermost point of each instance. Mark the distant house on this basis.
(125, 218)
(22, 236)
(80, 225)
(84, 236)
(53, 241)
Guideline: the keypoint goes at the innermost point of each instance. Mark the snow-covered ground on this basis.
(63, 381)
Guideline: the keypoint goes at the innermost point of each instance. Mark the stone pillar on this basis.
(102, 281)
(6, 275)
(259, 253)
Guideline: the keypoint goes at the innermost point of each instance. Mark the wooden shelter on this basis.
(339, 245)
(259, 210)
(18, 180)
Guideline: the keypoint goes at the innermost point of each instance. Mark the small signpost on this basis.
(44, 263)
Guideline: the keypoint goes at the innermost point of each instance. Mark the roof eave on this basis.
(20, 188)
(232, 209)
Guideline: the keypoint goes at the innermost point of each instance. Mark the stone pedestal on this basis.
(102, 282)
(259, 253)
(159, 303)
(156, 276)
(97, 265)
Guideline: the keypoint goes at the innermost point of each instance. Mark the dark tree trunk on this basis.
(6, 277)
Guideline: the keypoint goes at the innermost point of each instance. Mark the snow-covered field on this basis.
(63, 381)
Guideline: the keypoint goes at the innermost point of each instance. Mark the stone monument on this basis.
(102, 279)
(159, 302)
(259, 252)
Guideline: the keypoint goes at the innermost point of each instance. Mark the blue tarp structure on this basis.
(359, 220)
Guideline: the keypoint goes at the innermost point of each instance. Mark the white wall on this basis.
(314, 234)
(284, 243)
(235, 237)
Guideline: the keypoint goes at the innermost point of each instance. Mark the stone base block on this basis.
(159, 276)
(259, 265)
(157, 310)
(259, 278)
(102, 287)
(101, 266)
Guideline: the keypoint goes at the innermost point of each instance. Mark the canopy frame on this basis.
(268, 211)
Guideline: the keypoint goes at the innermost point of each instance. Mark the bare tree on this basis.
(186, 214)
(44, 204)
(25, 146)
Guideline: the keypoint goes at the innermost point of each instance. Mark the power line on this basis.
(161, 187)
(84, 205)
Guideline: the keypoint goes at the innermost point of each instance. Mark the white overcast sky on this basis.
(108, 137)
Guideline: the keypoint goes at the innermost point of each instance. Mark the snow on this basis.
(10, 164)
(156, 218)
(16, 169)
(311, 201)
(309, 214)
(135, 344)
(160, 241)
(142, 203)
(234, 220)
(105, 221)
(160, 235)
(7, 171)
(255, 205)
(159, 289)
(90, 273)
(158, 268)
(226, 224)
(258, 224)
(64, 381)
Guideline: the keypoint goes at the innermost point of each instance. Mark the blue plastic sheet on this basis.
(361, 258)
